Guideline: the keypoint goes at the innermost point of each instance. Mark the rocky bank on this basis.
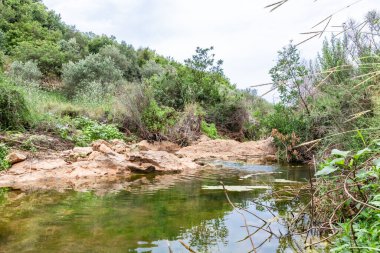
(115, 165)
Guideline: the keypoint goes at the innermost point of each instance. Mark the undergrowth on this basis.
(82, 131)
(4, 163)
(209, 129)
(14, 112)
(347, 198)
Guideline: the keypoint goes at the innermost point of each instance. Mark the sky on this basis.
(244, 34)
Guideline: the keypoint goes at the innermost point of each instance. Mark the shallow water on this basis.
(151, 216)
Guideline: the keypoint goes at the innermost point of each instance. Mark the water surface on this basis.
(152, 215)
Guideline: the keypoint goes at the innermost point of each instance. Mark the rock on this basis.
(260, 152)
(96, 144)
(15, 157)
(158, 146)
(50, 164)
(105, 149)
(82, 151)
(162, 161)
(135, 169)
(119, 146)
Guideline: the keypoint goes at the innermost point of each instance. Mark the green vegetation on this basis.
(333, 94)
(69, 73)
(349, 192)
(327, 105)
(83, 131)
(209, 130)
(14, 112)
(4, 164)
(83, 87)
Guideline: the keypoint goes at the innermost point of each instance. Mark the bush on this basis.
(152, 68)
(2, 60)
(91, 130)
(157, 118)
(93, 69)
(188, 126)
(288, 130)
(47, 54)
(27, 72)
(83, 131)
(230, 116)
(209, 130)
(356, 173)
(4, 164)
(120, 60)
(14, 113)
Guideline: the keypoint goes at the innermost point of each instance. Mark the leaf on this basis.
(338, 152)
(375, 203)
(337, 161)
(361, 152)
(376, 162)
(326, 170)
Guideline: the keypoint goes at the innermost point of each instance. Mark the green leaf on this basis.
(376, 162)
(362, 152)
(375, 203)
(338, 152)
(326, 170)
(337, 161)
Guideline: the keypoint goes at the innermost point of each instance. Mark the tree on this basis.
(93, 69)
(203, 61)
(289, 76)
(47, 54)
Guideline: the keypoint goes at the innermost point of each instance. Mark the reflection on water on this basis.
(147, 219)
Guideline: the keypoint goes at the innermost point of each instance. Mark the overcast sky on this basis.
(244, 34)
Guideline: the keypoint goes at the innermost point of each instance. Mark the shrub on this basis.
(158, 118)
(14, 113)
(47, 54)
(27, 72)
(4, 164)
(120, 60)
(231, 115)
(93, 69)
(209, 130)
(356, 173)
(288, 129)
(83, 131)
(151, 68)
(92, 130)
(188, 126)
(2, 60)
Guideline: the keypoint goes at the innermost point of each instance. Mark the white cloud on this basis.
(245, 35)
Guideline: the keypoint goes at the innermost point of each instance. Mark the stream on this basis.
(152, 216)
